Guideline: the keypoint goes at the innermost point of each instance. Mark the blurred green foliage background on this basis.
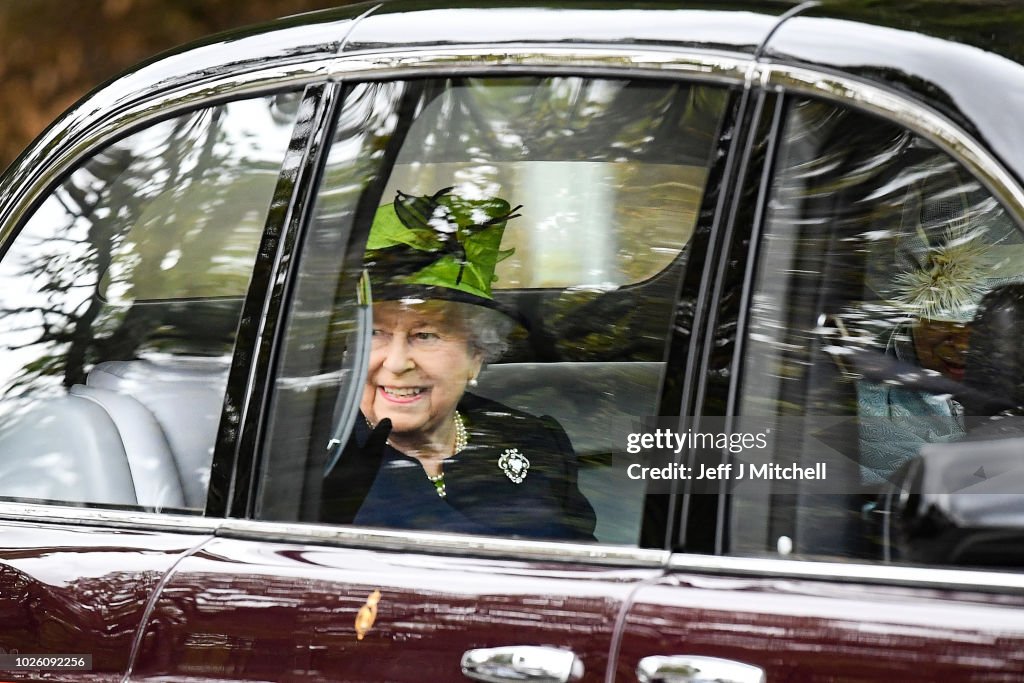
(54, 51)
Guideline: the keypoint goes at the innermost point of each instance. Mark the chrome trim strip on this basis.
(721, 67)
(77, 135)
(443, 544)
(913, 114)
(109, 114)
(37, 513)
(517, 549)
(915, 577)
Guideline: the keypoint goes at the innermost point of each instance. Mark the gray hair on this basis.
(488, 331)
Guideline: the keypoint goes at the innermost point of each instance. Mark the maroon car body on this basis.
(246, 585)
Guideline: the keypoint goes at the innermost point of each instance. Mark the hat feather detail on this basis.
(440, 240)
(948, 278)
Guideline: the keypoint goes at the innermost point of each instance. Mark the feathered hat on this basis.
(947, 255)
(438, 246)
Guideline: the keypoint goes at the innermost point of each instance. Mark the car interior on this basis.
(597, 270)
(131, 277)
(847, 330)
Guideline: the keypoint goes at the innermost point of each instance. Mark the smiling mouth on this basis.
(402, 394)
(954, 370)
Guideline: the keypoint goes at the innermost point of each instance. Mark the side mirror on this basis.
(961, 503)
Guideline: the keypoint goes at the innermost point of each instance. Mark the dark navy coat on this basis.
(390, 489)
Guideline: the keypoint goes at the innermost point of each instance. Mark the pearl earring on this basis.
(473, 382)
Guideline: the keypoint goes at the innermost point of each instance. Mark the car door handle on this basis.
(531, 663)
(694, 669)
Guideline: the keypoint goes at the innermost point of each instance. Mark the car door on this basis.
(601, 164)
(121, 301)
(819, 567)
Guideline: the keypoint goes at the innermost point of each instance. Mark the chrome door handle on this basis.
(693, 669)
(522, 663)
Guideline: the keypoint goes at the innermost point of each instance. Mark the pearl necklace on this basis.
(461, 439)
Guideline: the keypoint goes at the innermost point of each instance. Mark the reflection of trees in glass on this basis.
(640, 149)
(570, 119)
(622, 161)
(52, 51)
(853, 194)
(172, 212)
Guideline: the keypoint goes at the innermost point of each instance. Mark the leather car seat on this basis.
(183, 397)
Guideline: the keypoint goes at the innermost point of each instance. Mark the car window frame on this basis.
(236, 453)
(80, 139)
(784, 80)
(658, 64)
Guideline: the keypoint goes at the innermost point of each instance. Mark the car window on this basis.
(121, 296)
(879, 351)
(524, 243)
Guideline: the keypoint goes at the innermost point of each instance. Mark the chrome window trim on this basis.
(442, 543)
(36, 513)
(913, 114)
(976, 580)
(707, 65)
(89, 134)
(522, 550)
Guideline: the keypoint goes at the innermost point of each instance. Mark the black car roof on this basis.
(733, 26)
(963, 59)
(959, 58)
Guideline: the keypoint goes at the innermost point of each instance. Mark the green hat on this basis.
(442, 245)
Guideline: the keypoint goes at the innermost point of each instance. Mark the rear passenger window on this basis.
(524, 249)
(882, 343)
(120, 299)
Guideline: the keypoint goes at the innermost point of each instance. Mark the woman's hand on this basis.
(346, 485)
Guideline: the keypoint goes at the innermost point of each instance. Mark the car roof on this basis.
(992, 25)
(971, 82)
(963, 59)
(733, 26)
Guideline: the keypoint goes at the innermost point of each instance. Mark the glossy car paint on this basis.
(732, 27)
(956, 61)
(272, 606)
(249, 610)
(819, 631)
(81, 590)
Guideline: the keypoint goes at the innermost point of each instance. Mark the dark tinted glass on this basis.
(120, 299)
(868, 346)
(525, 241)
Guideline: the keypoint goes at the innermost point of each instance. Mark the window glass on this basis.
(877, 343)
(575, 146)
(524, 241)
(120, 299)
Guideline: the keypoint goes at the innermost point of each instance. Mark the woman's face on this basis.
(420, 362)
(941, 346)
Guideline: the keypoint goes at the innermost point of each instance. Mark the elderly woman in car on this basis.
(944, 261)
(427, 453)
